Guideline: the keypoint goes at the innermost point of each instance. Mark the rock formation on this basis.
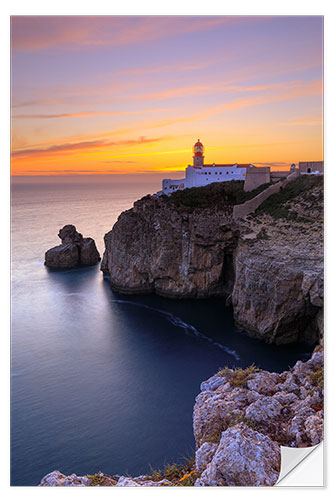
(271, 266)
(279, 262)
(73, 251)
(163, 248)
(240, 419)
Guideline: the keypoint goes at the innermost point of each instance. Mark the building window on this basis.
(209, 173)
(227, 173)
(309, 170)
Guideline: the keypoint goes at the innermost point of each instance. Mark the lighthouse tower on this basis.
(198, 157)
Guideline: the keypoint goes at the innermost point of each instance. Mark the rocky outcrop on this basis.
(170, 250)
(73, 251)
(240, 419)
(243, 457)
(56, 478)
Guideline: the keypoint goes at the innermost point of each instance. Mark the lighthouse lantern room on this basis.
(198, 157)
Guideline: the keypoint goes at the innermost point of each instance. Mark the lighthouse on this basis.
(200, 174)
(198, 157)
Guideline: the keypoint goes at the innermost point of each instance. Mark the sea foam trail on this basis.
(186, 327)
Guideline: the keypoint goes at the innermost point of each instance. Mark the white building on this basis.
(200, 174)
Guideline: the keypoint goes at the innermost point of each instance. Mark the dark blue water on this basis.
(102, 381)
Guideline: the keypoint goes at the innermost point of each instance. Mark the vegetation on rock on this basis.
(278, 205)
(217, 194)
(178, 474)
(238, 377)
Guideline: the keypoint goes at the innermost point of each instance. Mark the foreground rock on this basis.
(244, 457)
(56, 478)
(73, 251)
(240, 419)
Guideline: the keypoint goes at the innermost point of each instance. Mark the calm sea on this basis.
(101, 381)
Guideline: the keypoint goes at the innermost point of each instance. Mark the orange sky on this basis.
(101, 95)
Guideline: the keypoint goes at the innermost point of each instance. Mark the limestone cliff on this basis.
(270, 264)
(161, 247)
(279, 262)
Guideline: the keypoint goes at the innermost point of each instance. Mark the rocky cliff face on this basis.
(279, 262)
(271, 263)
(73, 251)
(240, 419)
(163, 248)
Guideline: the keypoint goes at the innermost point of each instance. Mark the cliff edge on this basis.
(270, 263)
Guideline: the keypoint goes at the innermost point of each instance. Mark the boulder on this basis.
(63, 256)
(244, 457)
(73, 251)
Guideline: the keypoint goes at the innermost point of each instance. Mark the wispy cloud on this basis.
(208, 89)
(280, 93)
(35, 33)
(304, 121)
(119, 161)
(179, 67)
(85, 114)
(286, 93)
(67, 147)
(277, 164)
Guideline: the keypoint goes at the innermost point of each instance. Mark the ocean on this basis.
(102, 381)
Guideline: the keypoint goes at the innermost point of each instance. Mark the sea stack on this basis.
(73, 251)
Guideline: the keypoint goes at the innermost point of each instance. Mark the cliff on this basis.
(172, 249)
(279, 261)
(269, 263)
(240, 419)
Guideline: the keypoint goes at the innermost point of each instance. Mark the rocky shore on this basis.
(269, 265)
(73, 251)
(240, 419)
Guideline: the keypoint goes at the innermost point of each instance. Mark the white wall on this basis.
(202, 177)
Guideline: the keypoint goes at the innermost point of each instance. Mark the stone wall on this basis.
(277, 175)
(249, 206)
(256, 176)
(307, 167)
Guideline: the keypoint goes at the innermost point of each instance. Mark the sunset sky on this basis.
(102, 95)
